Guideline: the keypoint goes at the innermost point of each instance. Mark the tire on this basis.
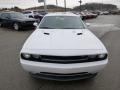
(16, 26)
(1, 25)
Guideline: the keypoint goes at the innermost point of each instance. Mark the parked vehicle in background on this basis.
(42, 12)
(77, 13)
(62, 48)
(33, 14)
(84, 16)
(88, 15)
(105, 13)
(93, 15)
(114, 12)
(16, 20)
(96, 12)
(29, 14)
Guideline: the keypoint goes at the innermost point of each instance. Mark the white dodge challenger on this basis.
(62, 48)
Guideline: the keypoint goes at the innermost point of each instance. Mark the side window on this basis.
(5, 16)
(0, 15)
(26, 12)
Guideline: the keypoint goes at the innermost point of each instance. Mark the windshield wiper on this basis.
(47, 28)
(71, 28)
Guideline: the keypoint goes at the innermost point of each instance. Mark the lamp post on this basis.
(80, 4)
(56, 5)
(65, 4)
(45, 6)
(56, 2)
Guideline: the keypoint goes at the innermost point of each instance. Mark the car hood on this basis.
(24, 19)
(56, 39)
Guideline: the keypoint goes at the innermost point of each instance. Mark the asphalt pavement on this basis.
(13, 77)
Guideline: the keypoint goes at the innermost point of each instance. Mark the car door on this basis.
(0, 20)
(6, 19)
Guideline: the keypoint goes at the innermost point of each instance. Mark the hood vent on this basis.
(47, 33)
(79, 33)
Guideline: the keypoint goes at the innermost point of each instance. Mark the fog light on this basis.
(101, 56)
(26, 56)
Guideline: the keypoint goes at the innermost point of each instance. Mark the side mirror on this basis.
(88, 24)
(35, 24)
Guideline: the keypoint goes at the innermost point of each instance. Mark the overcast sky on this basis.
(32, 3)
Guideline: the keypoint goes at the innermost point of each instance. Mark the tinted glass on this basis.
(27, 12)
(35, 12)
(17, 15)
(5, 15)
(42, 12)
(62, 22)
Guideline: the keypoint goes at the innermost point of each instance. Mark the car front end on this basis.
(63, 68)
(63, 54)
(27, 24)
(45, 57)
(22, 21)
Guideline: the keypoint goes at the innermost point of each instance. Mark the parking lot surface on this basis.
(13, 77)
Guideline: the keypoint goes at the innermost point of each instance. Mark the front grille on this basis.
(58, 74)
(64, 59)
(30, 22)
(64, 77)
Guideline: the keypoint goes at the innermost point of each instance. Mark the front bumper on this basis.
(27, 25)
(38, 68)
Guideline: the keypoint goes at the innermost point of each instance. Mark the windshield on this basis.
(17, 15)
(62, 22)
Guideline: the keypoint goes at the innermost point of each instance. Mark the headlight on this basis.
(102, 56)
(25, 56)
(30, 57)
(98, 57)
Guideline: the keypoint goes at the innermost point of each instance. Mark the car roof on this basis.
(28, 11)
(61, 14)
(32, 10)
(9, 12)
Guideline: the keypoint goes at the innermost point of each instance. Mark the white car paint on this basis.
(31, 13)
(37, 67)
(41, 43)
(28, 13)
(63, 42)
